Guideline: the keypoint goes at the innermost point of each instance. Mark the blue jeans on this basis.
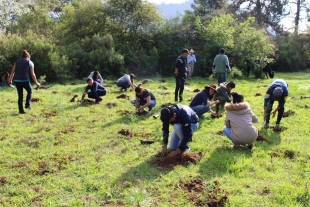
(152, 103)
(177, 135)
(95, 95)
(227, 132)
(221, 77)
(20, 86)
(201, 109)
(179, 88)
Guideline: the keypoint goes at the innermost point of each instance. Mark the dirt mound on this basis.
(87, 101)
(111, 104)
(17, 165)
(42, 87)
(213, 116)
(123, 112)
(166, 104)
(54, 92)
(113, 203)
(73, 84)
(35, 100)
(220, 133)
(3, 180)
(204, 194)
(301, 97)
(262, 139)
(196, 90)
(258, 94)
(145, 81)
(163, 87)
(289, 154)
(125, 132)
(282, 128)
(162, 81)
(183, 159)
(288, 113)
(123, 96)
(275, 154)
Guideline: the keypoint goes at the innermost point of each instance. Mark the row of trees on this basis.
(68, 39)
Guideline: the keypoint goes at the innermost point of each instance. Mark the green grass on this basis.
(65, 154)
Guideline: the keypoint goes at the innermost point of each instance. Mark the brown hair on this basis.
(132, 77)
(139, 88)
(237, 97)
(96, 75)
(25, 53)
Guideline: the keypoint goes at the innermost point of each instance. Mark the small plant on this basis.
(42, 79)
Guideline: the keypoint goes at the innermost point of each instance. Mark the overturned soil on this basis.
(282, 128)
(87, 101)
(73, 84)
(260, 138)
(111, 104)
(213, 116)
(275, 154)
(220, 133)
(183, 159)
(113, 203)
(123, 112)
(162, 81)
(288, 113)
(301, 97)
(145, 81)
(204, 194)
(123, 96)
(35, 100)
(196, 90)
(3, 180)
(42, 87)
(258, 94)
(163, 87)
(125, 132)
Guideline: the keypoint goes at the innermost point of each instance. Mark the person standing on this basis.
(180, 72)
(96, 90)
(277, 91)
(221, 66)
(125, 82)
(191, 59)
(239, 122)
(21, 71)
(200, 103)
(184, 121)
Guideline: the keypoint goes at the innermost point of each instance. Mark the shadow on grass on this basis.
(220, 160)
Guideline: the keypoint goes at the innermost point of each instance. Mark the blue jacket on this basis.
(185, 116)
(94, 87)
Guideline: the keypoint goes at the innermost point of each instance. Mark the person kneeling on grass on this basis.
(96, 90)
(185, 122)
(144, 98)
(223, 94)
(239, 122)
(200, 103)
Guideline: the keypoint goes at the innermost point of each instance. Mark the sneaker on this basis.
(278, 127)
(266, 125)
(186, 150)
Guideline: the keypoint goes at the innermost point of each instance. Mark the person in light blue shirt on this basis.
(191, 59)
(21, 72)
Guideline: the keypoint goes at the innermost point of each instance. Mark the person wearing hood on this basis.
(223, 94)
(277, 91)
(239, 122)
(200, 103)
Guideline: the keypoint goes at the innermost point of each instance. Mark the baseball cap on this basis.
(277, 93)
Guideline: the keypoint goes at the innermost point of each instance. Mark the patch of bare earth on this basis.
(216, 116)
(196, 90)
(111, 104)
(145, 81)
(204, 194)
(123, 112)
(183, 159)
(114, 203)
(221, 133)
(288, 113)
(123, 96)
(162, 81)
(163, 87)
(3, 180)
(258, 94)
(282, 128)
(35, 100)
(125, 132)
(73, 84)
(260, 138)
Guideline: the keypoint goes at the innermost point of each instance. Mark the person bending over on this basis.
(96, 90)
(144, 98)
(125, 82)
(200, 103)
(184, 121)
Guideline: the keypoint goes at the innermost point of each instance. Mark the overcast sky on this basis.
(167, 1)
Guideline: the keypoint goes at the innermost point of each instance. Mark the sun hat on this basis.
(212, 85)
(191, 51)
(277, 93)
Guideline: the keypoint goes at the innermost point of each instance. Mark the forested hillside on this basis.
(68, 39)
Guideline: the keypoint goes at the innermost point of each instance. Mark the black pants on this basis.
(20, 86)
(179, 88)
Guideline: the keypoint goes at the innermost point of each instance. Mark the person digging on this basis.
(96, 90)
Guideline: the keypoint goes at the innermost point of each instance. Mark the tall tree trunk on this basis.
(298, 4)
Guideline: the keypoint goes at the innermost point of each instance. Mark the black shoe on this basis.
(100, 99)
(22, 112)
(28, 107)
(250, 146)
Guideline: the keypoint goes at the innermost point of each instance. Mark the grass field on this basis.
(67, 154)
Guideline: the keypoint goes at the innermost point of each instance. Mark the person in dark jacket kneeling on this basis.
(185, 122)
(96, 90)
